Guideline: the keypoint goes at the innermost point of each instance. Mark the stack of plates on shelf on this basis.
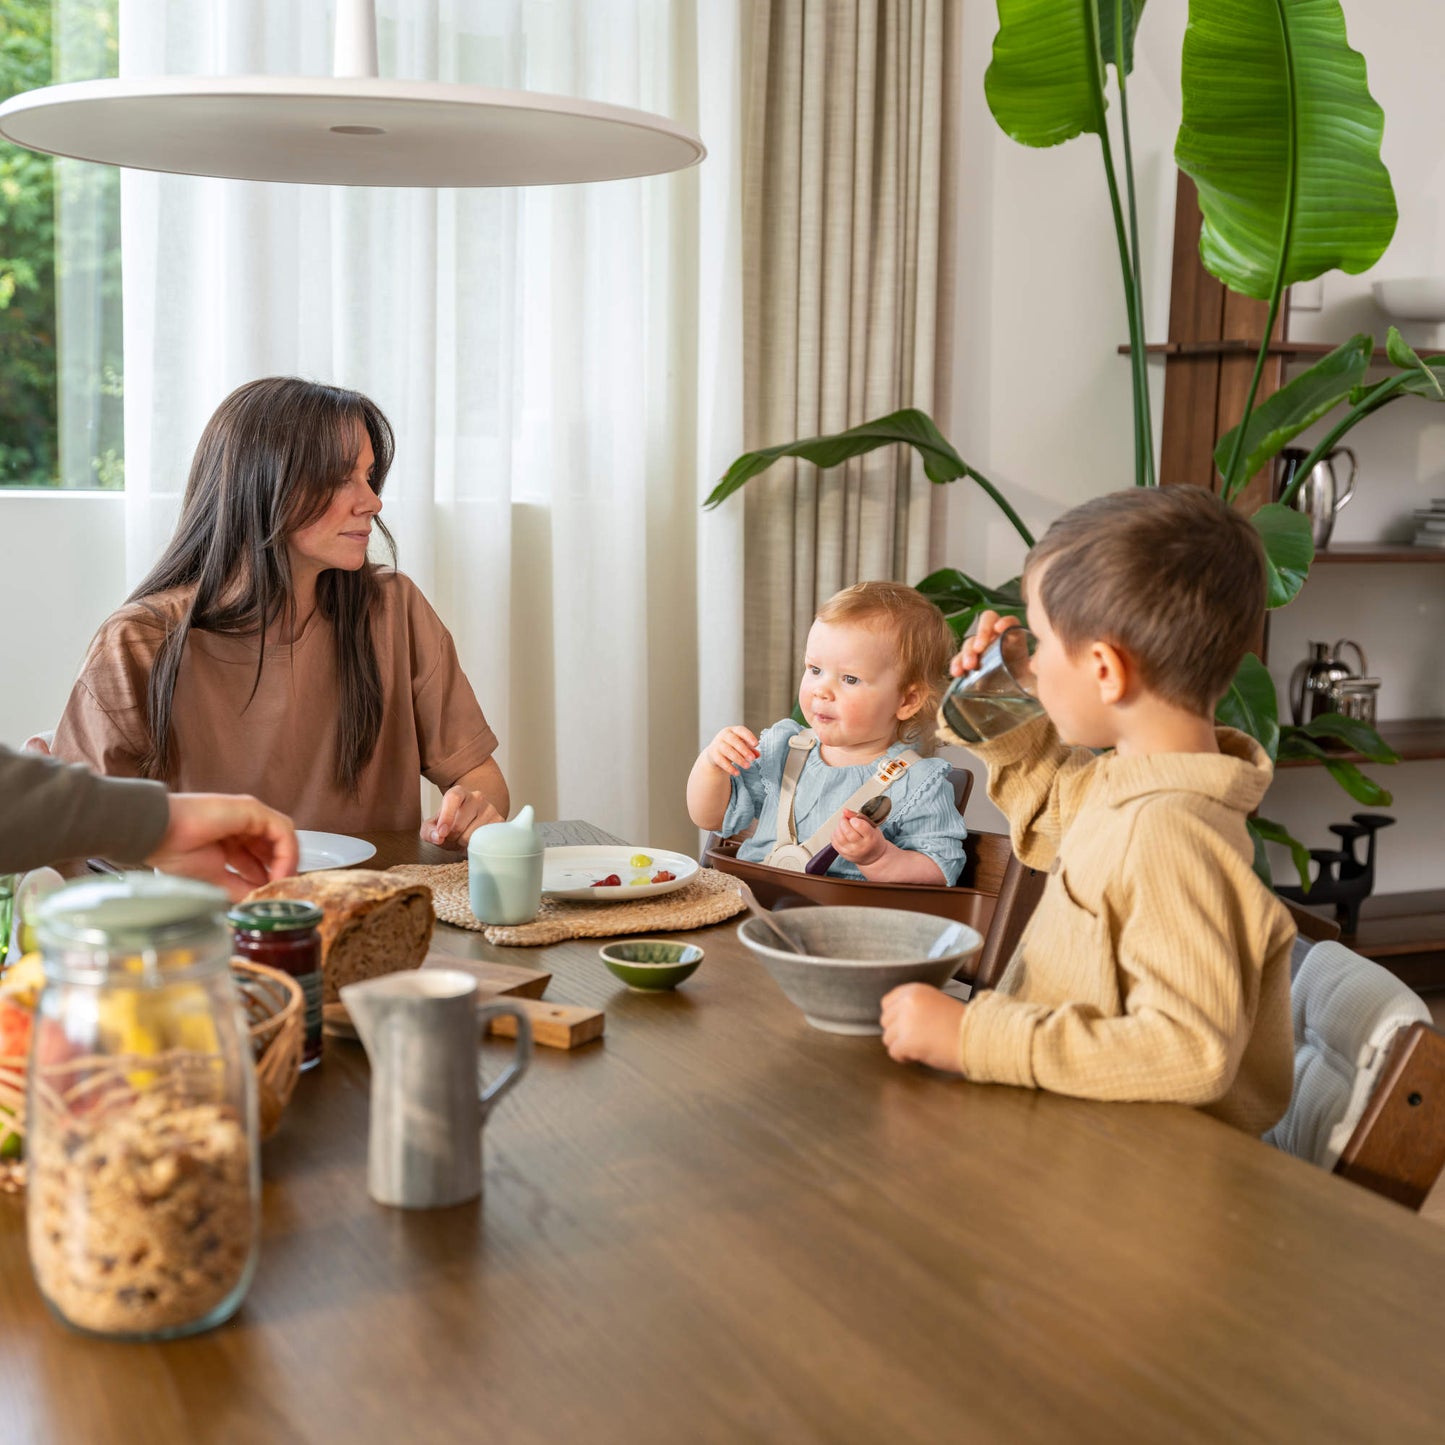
(1430, 524)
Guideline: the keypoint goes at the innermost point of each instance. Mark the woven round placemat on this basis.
(710, 897)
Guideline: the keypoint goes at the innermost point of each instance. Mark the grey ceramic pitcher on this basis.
(421, 1031)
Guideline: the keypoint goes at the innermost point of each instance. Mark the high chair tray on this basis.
(963, 903)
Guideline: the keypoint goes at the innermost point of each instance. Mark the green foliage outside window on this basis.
(61, 384)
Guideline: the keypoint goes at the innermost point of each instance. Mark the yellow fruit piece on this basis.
(639, 860)
(24, 979)
(637, 882)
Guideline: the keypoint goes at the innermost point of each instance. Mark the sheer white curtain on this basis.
(561, 365)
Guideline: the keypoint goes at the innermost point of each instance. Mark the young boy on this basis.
(1157, 964)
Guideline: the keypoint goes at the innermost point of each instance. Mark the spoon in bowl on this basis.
(758, 911)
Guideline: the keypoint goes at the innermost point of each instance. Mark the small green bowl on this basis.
(648, 965)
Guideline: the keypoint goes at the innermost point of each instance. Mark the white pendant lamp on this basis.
(351, 129)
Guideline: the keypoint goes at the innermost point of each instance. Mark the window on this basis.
(61, 388)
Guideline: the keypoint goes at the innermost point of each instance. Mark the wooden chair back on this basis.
(1398, 1147)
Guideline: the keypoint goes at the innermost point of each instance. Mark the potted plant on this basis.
(1282, 139)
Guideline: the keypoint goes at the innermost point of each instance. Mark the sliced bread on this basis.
(371, 924)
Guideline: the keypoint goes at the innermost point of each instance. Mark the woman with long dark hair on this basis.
(266, 654)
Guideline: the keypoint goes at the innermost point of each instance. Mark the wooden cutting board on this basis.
(494, 980)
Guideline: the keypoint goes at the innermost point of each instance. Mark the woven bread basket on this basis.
(275, 1015)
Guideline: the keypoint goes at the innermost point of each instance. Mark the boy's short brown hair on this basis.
(1172, 576)
(921, 634)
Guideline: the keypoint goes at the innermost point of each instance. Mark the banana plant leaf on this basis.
(961, 599)
(1361, 788)
(1426, 380)
(910, 427)
(1045, 83)
(1336, 727)
(1132, 12)
(1251, 706)
(1280, 418)
(1288, 551)
(1404, 356)
(1264, 830)
(1282, 138)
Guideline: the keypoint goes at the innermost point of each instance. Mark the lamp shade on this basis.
(350, 131)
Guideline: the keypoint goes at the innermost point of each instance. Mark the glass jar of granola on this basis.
(143, 1205)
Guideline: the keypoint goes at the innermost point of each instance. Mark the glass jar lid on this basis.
(274, 915)
(131, 913)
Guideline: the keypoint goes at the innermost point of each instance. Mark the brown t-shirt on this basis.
(280, 745)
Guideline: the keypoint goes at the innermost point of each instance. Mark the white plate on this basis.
(331, 850)
(571, 872)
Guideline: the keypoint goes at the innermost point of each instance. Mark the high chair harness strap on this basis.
(787, 851)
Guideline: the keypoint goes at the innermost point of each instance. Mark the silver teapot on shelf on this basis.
(1316, 684)
(1320, 497)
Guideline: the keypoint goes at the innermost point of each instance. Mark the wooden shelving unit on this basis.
(1416, 739)
(1209, 358)
(1341, 553)
(1405, 932)
(1244, 346)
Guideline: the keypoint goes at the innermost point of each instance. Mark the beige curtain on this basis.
(847, 301)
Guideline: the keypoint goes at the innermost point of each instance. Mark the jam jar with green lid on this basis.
(142, 1143)
(281, 933)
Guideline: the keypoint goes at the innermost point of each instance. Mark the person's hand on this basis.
(857, 840)
(231, 841)
(461, 813)
(921, 1026)
(732, 751)
(990, 624)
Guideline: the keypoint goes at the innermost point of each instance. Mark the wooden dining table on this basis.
(716, 1223)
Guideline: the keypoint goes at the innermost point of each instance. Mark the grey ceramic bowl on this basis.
(852, 956)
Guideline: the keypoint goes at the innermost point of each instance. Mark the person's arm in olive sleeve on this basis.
(51, 811)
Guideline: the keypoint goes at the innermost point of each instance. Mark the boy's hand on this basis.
(921, 1026)
(857, 840)
(990, 624)
(732, 751)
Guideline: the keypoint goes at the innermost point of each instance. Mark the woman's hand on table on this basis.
(921, 1025)
(477, 797)
(462, 812)
(989, 625)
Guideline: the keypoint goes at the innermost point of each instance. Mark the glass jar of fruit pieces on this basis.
(143, 1206)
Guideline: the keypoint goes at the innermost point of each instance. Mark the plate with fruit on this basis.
(613, 875)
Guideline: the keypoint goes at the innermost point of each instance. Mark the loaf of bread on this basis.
(371, 925)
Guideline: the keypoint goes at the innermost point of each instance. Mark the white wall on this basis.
(1042, 404)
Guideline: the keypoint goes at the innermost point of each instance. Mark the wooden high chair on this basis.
(1369, 1078)
(995, 893)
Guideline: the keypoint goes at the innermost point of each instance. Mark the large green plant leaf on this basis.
(909, 427)
(1265, 830)
(1404, 356)
(1336, 727)
(1132, 11)
(1280, 418)
(1288, 551)
(1282, 138)
(1427, 380)
(1045, 83)
(1250, 704)
(961, 599)
(1361, 788)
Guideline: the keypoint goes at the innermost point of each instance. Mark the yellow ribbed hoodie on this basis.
(1157, 964)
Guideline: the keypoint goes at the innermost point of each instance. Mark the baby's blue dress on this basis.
(924, 817)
